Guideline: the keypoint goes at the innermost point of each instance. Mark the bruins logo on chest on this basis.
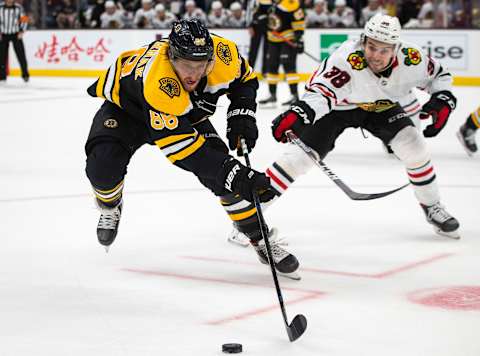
(412, 56)
(170, 87)
(224, 53)
(357, 60)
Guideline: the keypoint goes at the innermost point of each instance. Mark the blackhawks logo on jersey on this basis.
(357, 60)
(223, 52)
(170, 87)
(412, 56)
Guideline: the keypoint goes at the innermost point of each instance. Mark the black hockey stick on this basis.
(330, 174)
(299, 323)
(292, 44)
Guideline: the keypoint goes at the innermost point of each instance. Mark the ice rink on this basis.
(376, 280)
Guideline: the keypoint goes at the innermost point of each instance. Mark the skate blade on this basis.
(239, 241)
(107, 248)
(452, 234)
(462, 142)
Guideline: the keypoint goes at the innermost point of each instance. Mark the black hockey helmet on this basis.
(190, 40)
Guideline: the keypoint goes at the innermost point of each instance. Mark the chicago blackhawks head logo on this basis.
(170, 87)
(357, 60)
(223, 52)
(412, 56)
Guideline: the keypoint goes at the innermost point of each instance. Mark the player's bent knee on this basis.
(107, 164)
(410, 147)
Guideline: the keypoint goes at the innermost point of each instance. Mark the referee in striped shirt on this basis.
(13, 24)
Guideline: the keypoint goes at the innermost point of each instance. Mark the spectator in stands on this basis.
(144, 16)
(318, 16)
(370, 10)
(342, 15)
(193, 12)
(390, 7)
(218, 15)
(163, 19)
(67, 14)
(112, 17)
(176, 7)
(236, 19)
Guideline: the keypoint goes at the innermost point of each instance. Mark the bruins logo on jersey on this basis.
(170, 87)
(412, 56)
(357, 60)
(224, 53)
(110, 123)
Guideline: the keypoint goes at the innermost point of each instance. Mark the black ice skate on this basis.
(466, 136)
(269, 102)
(285, 263)
(289, 102)
(444, 224)
(108, 223)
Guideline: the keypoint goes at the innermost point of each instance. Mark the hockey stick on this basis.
(299, 323)
(291, 44)
(330, 174)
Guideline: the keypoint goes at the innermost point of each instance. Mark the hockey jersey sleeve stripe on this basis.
(109, 82)
(164, 142)
(248, 73)
(188, 150)
(116, 86)
(244, 215)
(101, 84)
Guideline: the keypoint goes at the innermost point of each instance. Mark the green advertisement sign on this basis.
(329, 43)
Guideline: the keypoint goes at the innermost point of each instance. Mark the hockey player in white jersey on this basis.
(366, 84)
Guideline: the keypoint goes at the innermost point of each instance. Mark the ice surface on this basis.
(172, 285)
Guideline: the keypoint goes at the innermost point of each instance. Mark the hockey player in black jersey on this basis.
(163, 94)
(286, 24)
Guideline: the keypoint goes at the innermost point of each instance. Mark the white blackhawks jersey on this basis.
(344, 82)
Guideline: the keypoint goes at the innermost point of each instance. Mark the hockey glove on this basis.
(241, 123)
(439, 107)
(237, 178)
(296, 118)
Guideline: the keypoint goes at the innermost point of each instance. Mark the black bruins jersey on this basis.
(144, 84)
(286, 20)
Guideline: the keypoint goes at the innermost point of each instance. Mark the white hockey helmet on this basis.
(383, 28)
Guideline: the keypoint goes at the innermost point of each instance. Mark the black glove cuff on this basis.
(242, 103)
(304, 112)
(447, 97)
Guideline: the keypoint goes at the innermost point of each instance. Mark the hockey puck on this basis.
(232, 348)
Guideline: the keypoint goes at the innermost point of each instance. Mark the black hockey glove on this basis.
(439, 107)
(241, 123)
(296, 118)
(237, 178)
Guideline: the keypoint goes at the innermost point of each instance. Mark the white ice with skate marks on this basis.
(376, 280)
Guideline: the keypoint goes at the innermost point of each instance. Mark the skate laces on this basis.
(438, 213)
(276, 243)
(109, 219)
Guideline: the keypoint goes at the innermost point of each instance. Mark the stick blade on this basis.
(297, 327)
(371, 196)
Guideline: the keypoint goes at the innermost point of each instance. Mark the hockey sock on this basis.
(294, 89)
(473, 121)
(111, 197)
(273, 89)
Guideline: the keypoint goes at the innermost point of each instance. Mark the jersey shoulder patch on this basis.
(357, 60)
(412, 56)
(162, 89)
(227, 65)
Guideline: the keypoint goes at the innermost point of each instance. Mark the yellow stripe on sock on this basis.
(242, 216)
